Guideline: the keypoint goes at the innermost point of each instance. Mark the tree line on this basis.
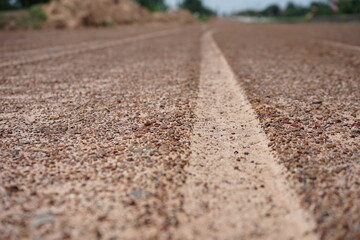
(320, 8)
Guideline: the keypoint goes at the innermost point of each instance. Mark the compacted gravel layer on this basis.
(14, 42)
(306, 94)
(234, 188)
(21, 46)
(93, 146)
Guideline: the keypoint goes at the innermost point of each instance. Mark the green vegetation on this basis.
(6, 5)
(194, 6)
(33, 17)
(37, 13)
(293, 10)
(349, 6)
(3, 20)
(154, 5)
(272, 10)
(198, 9)
(316, 8)
(28, 23)
(321, 8)
(108, 24)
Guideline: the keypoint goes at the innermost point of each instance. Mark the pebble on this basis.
(42, 218)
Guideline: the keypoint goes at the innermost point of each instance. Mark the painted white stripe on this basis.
(235, 189)
(342, 45)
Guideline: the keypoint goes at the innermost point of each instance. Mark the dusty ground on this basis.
(96, 143)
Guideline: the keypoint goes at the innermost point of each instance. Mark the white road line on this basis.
(81, 48)
(342, 45)
(235, 189)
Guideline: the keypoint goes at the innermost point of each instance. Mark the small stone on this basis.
(12, 189)
(147, 124)
(140, 193)
(42, 218)
(136, 193)
(317, 102)
(137, 150)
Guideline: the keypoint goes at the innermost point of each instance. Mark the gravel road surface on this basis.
(95, 143)
(306, 93)
(234, 189)
(105, 133)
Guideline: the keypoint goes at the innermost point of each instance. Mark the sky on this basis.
(228, 6)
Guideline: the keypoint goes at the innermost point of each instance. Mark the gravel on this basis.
(306, 94)
(93, 145)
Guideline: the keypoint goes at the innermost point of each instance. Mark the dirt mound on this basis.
(182, 16)
(77, 13)
(118, 12)
(66, 13)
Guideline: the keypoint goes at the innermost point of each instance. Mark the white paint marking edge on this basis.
(342, 45)
(299, 220)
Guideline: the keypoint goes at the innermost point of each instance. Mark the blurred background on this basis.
(15, 14)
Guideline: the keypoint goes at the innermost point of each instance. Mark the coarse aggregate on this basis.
(306, 94)
(93, 145)
(17, 43)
